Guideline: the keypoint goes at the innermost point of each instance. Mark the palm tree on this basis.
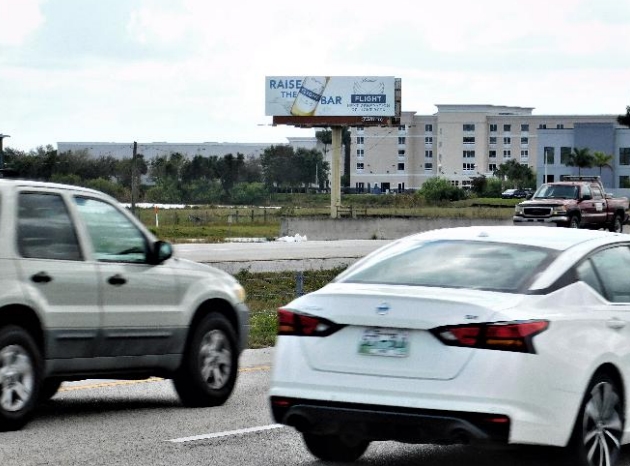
(601, 160)
(581, 158)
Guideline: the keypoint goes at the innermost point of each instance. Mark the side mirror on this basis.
(160, 251)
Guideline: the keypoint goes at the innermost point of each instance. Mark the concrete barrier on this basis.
(373, 228)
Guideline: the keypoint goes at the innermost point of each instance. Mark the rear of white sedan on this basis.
(468, 335)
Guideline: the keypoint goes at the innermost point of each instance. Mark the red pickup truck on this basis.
(574, 202)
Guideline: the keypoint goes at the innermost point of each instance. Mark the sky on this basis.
(192, 71)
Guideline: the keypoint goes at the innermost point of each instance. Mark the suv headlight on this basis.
(518, 209)
(559, 210)
(239, 292)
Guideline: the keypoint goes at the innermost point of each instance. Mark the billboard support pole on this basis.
(335, 172)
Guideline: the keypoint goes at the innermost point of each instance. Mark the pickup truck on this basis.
(573, 202)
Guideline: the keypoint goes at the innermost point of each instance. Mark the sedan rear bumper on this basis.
(374, 422)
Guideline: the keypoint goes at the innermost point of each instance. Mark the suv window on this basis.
(114, 237)
(45, 230)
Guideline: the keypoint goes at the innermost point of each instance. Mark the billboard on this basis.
(331, 96)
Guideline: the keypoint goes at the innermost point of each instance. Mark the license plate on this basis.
(384, 342)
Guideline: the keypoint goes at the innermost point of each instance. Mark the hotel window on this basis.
(428, 140)
(565, 155)
(360, 165)
(428, 128)
(428, 166)
(401, 153)
(559, 126)
(624, 181)
(549, 156)
(493, 139)
(542, 126)
(524, 154)
(624, 156)
(360, 140)
(469, 139)
(360, 153)
(507, 128)
(507, 154)
(467, 167)
(469, 154)
(360, 129)
(492, 167)
(493, 128)
(492, 154)
(402, 140)
(507, 141)
(524, 141)
(468, 127)
(401, 167)
(524, 128)
(428, 154)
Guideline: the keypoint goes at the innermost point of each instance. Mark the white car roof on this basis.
(560, 239)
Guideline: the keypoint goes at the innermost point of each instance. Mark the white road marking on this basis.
(226, 433)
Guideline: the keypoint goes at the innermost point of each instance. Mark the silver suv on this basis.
(86, 291)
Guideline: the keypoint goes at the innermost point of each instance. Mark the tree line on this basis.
(176, 178)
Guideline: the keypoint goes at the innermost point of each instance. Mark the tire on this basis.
(20, 377)
(597, 433)
(208, 371)
(574, 222)
(49, 388)
(617, 224)
(334, 447)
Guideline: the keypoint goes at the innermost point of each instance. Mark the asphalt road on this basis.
(278, 255)
(124, 423)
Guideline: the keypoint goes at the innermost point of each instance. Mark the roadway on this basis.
(142, 423)
(278, 255)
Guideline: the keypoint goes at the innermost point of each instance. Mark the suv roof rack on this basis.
(579, 178)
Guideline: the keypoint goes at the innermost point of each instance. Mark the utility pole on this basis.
(2, 136)
(134, 176)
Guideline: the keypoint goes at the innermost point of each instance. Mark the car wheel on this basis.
(208, 371)
(574, 222)
(20, 377)
(49, 388)
(597, 434)
(334, 447)
(617, 224)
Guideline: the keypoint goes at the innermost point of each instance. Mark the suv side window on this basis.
(44, 228)
(114, 237)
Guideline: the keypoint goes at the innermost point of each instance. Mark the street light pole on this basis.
(2, 136)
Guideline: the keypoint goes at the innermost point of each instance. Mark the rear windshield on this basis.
(455, 264)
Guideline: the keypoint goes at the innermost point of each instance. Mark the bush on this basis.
(440, 189)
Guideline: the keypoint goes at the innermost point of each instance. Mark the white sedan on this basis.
(466, 335)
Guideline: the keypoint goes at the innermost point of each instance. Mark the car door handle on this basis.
(616, 323)
(41, 277)
(116, 280)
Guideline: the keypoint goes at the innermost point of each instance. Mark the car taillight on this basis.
(304, 325)
(504, 336)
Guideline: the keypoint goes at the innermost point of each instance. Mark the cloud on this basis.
(20, 19)
(193, 70)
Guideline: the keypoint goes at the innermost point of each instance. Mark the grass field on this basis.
(215, 223)
(268, 291)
